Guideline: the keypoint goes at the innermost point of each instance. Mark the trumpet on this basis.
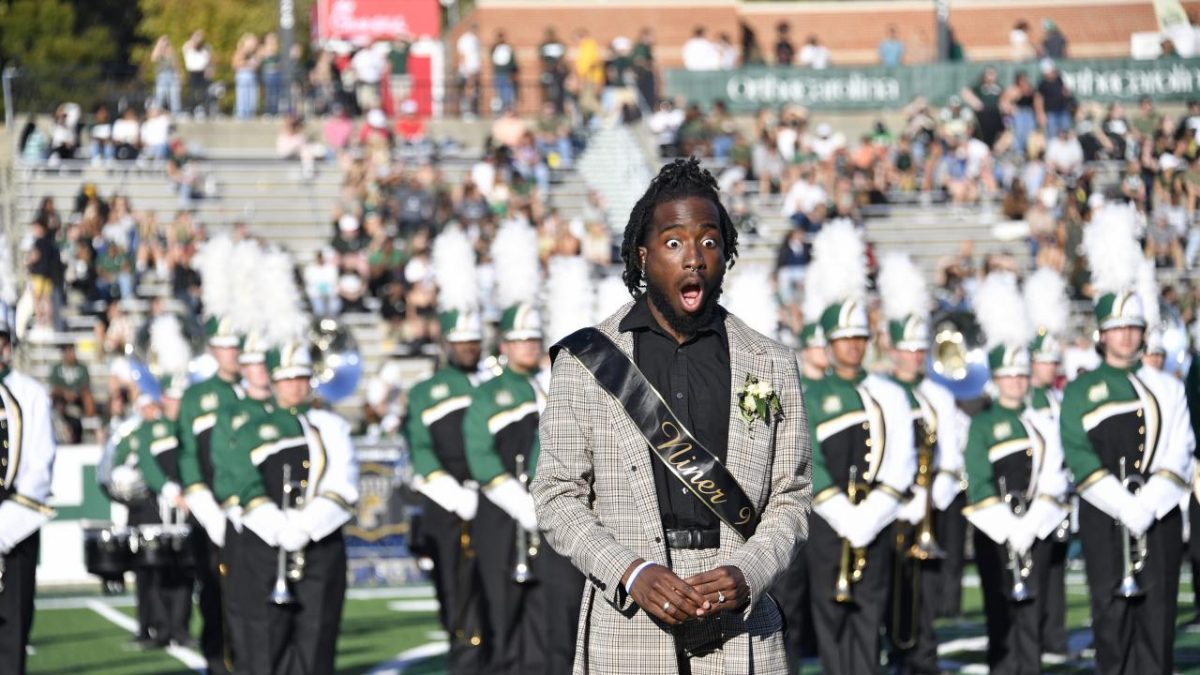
(2, 566)
(289, 567)
(854, 560)
(1020, 566)
(1132, 559)
(527, 543)
(924, 547)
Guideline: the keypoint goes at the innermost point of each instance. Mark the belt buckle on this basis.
(693, 538)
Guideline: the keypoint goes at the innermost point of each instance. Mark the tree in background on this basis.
(58, 53)
(223, 23)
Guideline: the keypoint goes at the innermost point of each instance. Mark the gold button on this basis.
(475, 640)
(1141, 430)
(868, 442)
(1141, 447)
(1029, 452)
(866, 426)
(303, 483)
(1139, 412)
(304, 464)
(1137, 464)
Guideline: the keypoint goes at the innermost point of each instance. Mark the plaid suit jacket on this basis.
(597, 505)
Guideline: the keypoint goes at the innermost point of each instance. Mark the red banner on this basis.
(372, 20)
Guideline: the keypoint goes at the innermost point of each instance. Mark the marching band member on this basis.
(935, 416)
(1123, 425)
(434, 431)
(27, 450)
(533, 620)
(862, 442)
(1017, 487)
(197, 418)
(1045, 293)
(295, 475)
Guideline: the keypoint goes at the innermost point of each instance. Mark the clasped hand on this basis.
(672, 600)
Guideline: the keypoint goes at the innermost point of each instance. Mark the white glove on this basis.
(202, 505)
(1044, 517)
(1108, 495)
(1160, 494)
(875, 512)
(913, 510)
(125, 483)
(234, 514)
(1137, 518)
(293, 536)
(996, 522)
(837, 511)
(860, 533)
(513, 500)
(945, 488)
(1022, 535)
(170, 491)
(468, 504)
(267, 521)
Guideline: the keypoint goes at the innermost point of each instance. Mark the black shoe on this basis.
(142, 643)
(187, 642)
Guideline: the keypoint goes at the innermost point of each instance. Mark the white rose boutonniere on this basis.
(757, 400)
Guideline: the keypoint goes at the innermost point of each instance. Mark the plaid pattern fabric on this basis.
(596, 503)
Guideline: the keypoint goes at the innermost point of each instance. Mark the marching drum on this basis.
(107, 550)
(152, 546)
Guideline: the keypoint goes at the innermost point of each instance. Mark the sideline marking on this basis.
(184, 655)
(410, 657)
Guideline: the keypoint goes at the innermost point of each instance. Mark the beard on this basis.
(684, 323)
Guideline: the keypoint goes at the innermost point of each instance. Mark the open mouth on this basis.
(691, 295)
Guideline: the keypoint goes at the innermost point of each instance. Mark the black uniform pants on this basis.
(296, 639)
(922, 656)
(208, 557)
(848, 633)
(1194, 548)
(534, 623)
(791, 591)
(164, 592)
(16, 603)
(951, 531)
(1054, 606)
(447, 539)
(230, 619)
(1135, 635)
(1014, 629)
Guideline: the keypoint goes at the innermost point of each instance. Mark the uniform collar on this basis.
(857, 379)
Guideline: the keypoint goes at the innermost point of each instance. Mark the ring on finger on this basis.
(667, 606)
(720, 597)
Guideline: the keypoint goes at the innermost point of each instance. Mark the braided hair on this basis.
(680, 179)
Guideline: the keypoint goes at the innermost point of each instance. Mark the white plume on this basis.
(1110, 244)
(568, 297)
(747, 294)
(1001, 311)
(280, 308)
(245, 270)
(1046, 301)
(902, 288)
(212, 261)
(8, 273)
(454, 269)
(169, 350)
(611, 295)
(839, 263)
(1147, 288)
(515, 259)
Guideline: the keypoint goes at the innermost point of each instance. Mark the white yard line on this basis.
(184, 655)
(410, 657)
(421, 592)
(423, 605)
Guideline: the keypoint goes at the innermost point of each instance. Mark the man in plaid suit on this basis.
(676, 585)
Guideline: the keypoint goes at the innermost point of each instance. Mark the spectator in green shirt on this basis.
(71, 393)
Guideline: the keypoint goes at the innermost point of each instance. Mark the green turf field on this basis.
(395, 631)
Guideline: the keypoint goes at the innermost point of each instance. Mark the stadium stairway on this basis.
(252, 185)
(617, 167)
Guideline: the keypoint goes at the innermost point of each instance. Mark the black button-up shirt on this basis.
(693, 379)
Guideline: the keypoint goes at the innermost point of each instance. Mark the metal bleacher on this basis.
(255, 186)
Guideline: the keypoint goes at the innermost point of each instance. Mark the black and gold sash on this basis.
(686, 459)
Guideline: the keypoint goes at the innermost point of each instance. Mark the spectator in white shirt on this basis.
(369, 65)
(102, 147)
(126, 135)
(156, 133)
(803, 198)
(197, 61)
(470, 62)
(320, 283)
(1064, 154)
(814, 54)
(664, 124)
(700, 53)
(727, 52)
(827, 143)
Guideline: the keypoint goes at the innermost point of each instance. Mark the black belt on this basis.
(694, 538)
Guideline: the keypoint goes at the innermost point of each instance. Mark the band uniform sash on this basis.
(689, 462)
